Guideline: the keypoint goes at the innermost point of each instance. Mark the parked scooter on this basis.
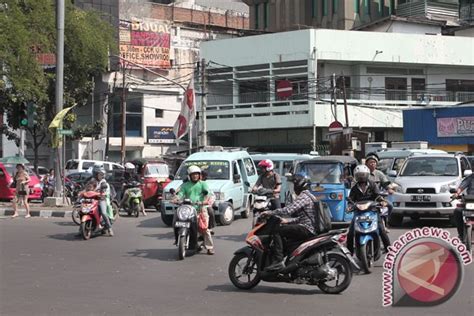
(367, 236)
(261, 203)
(133, 205)
(467, 205)
(322, 260)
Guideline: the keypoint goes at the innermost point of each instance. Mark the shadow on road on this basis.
(169, 235)
(69, 236)
(423, 222)
(236, 238)
(264, 289)
(66, 224)
(152, 222)
(157, 254)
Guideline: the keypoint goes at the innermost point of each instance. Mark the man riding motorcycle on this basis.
(269, 179)
(98, 175)
(198, 192)
(298, 223)
(130, 175)
(468, 185)
(365, 190)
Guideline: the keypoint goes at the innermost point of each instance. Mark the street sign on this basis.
(65, 131)
(284, 89)
(335, 126)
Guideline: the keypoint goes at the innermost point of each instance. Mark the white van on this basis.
(81, 165)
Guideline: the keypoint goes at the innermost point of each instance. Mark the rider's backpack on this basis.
(322, 216)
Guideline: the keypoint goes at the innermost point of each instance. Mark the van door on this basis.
(237, 194)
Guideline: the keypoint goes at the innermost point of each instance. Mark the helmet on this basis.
(361, 173)
(300, 183)
(98, 169)
(266, 164)
(194, 169)
(129, 165)
(373, 156)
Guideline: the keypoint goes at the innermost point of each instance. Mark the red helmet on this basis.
(267, 164)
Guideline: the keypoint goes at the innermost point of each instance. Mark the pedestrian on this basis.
(20, 182)
(51, 182)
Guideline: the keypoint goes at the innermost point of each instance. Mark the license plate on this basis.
(468, 213)
(182, 224)
(421, 198)
(469, 206)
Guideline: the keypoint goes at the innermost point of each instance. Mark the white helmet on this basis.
(194, 169)
(361, 173)
(129, 165)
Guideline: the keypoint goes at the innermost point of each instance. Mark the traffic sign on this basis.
(65, 131)
(335, 126)
(284, 89)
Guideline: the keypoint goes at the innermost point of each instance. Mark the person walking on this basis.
(21, 180)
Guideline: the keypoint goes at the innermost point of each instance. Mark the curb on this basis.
(37, 213)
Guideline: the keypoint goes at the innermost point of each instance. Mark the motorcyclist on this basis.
(198, 192)
(365, 190)
(379, 177)
(269, 179)
(297, 223)
(130, 176)
(467, 185)
(98, 174)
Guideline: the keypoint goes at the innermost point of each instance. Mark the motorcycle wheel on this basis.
(136, 210)
(115, 209)
(86, 230)
(341, 264)
(181, 247)
(243, 266)
(366, 256)
(468, 237)
(76, 218)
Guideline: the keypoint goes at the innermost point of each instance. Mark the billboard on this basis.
(160, 134)
(146, 42)
(462, 126)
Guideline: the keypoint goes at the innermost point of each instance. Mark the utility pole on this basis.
(124, 117)
(110, 107)
(203, 102)
(58, 190)
(93, 109)
(334, 97)
(21, 148)
(345, 100)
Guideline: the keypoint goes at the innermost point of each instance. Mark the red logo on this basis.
(429, 273)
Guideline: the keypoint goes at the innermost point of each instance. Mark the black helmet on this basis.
(300, 183)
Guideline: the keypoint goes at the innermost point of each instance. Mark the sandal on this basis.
(27, 216)
(15, 215)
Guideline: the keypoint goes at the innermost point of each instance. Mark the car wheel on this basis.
(246, 213)
(395, 220)
(226, 216)
(167, 219)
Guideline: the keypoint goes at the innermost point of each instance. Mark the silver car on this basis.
(423, 186)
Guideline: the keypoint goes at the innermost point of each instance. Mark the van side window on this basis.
(107, 167)
(235, 168)
(71, 164)
(87, 165)
(2, 173)
(276, 166)
(249, 167)
(116, 167)
(464, 166)
(287, 166)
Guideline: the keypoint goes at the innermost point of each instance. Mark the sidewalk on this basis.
(36, 210)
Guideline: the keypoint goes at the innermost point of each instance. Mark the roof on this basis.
(218, 155)
(342, 159)
(415, 20)
(281, 156)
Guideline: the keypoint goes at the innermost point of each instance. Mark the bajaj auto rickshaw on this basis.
(331, 179)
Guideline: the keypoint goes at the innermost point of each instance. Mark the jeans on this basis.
(103, 213)
(382, 233)
(275, 204)
(291, 231)
(457, 218)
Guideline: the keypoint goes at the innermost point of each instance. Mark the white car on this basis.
(423, 186)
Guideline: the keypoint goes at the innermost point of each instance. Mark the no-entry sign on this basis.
(284, 89)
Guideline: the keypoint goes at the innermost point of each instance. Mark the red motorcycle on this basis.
(89, 213)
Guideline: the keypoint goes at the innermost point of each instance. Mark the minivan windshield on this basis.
(322, 172)
(156, 170)
(431, 166)
(215, 169)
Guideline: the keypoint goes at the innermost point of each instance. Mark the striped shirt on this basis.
(296, 211)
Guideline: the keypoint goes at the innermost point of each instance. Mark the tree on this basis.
(28, 29)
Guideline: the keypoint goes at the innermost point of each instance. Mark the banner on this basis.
(160, 134)
(187, 114)
(462, 126)
(146, 43)
(57, 123)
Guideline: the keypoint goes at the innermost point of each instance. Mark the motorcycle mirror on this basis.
(452, 189)
(171, 177)
(247, 183)
(173, 191)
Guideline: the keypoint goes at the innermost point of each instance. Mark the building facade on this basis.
(380, 74)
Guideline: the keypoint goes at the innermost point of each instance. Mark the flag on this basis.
(187, 114)
(57, 123)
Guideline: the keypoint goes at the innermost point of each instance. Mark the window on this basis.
(287, 166)
(134, 116)
(325, 7)
(367, 7)
(265, 15)
(87, 165)
(357, 6)
(334, 6)
(314, 5)
(464, 166)
(396, 88)
(381, 5)
(249, 167)
(418, 87)
(256, 17)
(391, 7)
(158, 113)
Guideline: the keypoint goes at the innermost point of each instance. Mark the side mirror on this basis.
(467, 172)
(392, 173)
(247, 184)
(171, 177)
(236, 177)
(452, 189)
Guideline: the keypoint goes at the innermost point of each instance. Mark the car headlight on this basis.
(37, 185)
(398, 188)
(184, 213)
(168, 196)
(445, 187)
(219, 195)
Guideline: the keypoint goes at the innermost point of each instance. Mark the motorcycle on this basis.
(133, 206)
(89, 213)
(467, 205)
(366, 233)
(321, 261)
(261, 203)
(185, 228)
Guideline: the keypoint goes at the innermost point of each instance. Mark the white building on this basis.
(384, 73)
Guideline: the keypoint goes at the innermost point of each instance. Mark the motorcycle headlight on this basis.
(86, 209)
(363, 206)
(219, 195)
(184, 213)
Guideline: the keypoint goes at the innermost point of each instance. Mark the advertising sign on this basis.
(160, 134)
(146, 43)
(462, 126)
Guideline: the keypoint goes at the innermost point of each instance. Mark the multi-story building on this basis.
(381, 73)
(285, 15)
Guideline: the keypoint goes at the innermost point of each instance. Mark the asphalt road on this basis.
(47, 270)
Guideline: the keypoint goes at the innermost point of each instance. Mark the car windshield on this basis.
(322, 172)
(385, 164)
(156, 170)
(215, 169)
(430, 166)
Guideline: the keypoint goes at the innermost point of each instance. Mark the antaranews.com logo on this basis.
(424, 267)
